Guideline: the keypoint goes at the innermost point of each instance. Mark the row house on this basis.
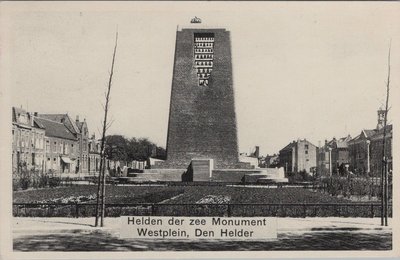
(334, 156)
(53, 142)
(300, 155)
(80, 131)
(94, 155)
(61, 151)
(27, 141)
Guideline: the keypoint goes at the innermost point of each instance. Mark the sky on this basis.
(300, 70)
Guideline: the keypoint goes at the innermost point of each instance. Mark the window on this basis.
(203, 45)
(306, 152)
(306, 146)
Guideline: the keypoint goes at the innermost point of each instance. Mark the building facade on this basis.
(61, 149)
(271, 161)
(333, 157)
(81, 132)
(27, 141)
(359, 152)
(376, 152)
(94, 155)
(53, 142)
(366, 150)
(300, 155)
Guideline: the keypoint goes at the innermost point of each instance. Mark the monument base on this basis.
(202, 170)
(217, 165)
(259, 175)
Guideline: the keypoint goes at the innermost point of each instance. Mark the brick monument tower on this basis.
(202, 119)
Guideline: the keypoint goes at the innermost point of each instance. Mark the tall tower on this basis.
(202, 119)
(381, 118)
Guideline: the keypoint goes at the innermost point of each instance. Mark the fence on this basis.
(230, 210)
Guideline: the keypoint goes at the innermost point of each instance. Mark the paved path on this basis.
(69, 234)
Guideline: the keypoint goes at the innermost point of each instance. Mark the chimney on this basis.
(30, 118)
(257, 152)
(77, 118)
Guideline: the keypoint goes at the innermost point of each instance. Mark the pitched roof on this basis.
(355, 138)
(53, 117)
(54, 129)
(289, 146)
(38, 124)
(389, 128)
(369, 133)
(69, 123)
(340, 143)
(379, 133)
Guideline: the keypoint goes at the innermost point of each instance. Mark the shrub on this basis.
(300, 177)
(43, 180)
(54, 182)
(24, 183)
(22, 176)
(15, 184)
(348, 186)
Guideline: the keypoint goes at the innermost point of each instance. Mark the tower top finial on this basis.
(195, 20)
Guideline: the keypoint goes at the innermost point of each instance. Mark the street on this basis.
(69, 234)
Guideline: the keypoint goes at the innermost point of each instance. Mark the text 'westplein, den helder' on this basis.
(198, 228)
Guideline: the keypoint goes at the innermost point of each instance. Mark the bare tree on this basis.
(384, 174)
(101, 187)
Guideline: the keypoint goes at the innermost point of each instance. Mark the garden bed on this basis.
(185, 201)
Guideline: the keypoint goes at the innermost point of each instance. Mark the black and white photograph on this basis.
(199, 129)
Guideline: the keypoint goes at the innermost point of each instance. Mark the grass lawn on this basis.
(188, 200)
(191, 194)
(114, 194)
